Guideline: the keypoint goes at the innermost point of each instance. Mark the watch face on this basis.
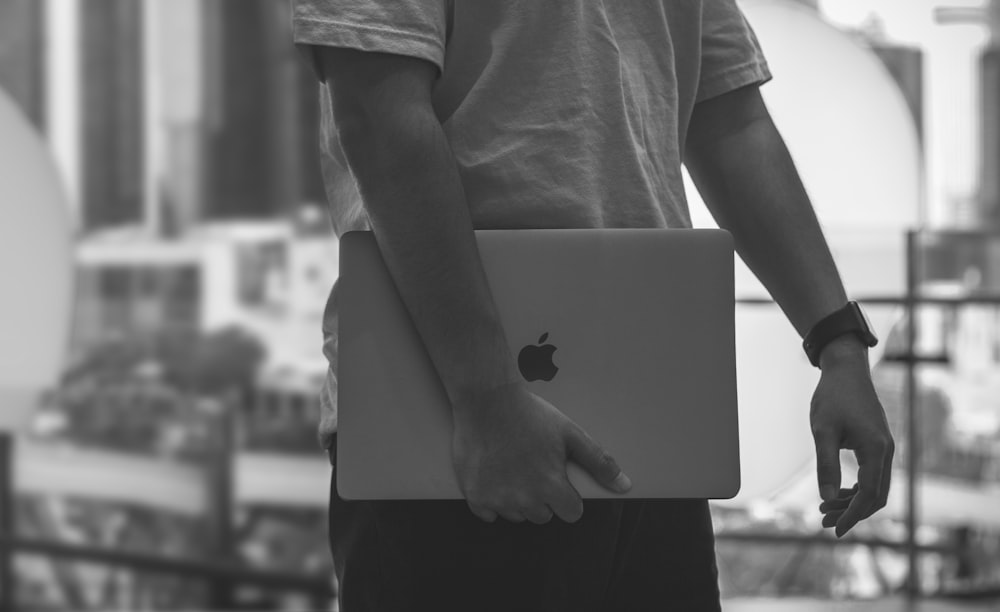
(863, 318)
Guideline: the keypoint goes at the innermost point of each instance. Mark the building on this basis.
(167, 113)
(113, 107)
(261, 112)
(261, 276)
(22, 56)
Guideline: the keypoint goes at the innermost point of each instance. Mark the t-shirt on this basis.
(560, 113)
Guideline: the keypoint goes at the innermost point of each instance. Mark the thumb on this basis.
(596, 461)
(827, 465)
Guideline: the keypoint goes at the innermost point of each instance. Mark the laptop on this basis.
(629, 332)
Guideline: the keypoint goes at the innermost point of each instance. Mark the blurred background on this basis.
(164, 455)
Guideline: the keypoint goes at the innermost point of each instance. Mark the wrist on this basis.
(848, 326)
(844, 349)
(470, 398)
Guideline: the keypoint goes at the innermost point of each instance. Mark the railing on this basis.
(222, 578)
(910, 300)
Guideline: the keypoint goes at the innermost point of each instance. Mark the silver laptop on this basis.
(629, 332)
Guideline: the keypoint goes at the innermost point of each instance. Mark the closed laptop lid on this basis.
(629, 332)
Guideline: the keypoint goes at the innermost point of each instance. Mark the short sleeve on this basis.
(731, 56)
(415, 28)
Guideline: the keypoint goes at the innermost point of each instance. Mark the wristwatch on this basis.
(848, 320)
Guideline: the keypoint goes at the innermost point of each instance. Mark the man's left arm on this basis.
(740, 164)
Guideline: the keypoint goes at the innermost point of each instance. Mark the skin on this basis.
(510, 446)
(740, 163)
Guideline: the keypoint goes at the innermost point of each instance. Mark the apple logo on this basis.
(535, 362)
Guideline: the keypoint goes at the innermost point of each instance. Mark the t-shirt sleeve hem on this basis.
(750, 73)
(309, 33)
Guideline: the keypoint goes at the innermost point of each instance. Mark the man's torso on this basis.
(563, 114)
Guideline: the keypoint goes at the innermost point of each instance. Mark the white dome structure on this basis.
(35, 267)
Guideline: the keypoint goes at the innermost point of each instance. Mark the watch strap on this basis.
(846, 320)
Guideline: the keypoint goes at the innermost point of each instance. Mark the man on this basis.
(454, 115)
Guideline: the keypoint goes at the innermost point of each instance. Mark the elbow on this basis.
(349, 131)
(350, 120)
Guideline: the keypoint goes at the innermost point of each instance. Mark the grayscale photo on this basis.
(500, 305)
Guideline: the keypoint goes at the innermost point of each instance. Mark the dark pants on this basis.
(621, 556)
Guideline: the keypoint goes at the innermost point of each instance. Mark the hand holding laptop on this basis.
(509, 450)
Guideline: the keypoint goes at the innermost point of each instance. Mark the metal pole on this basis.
(994, 20)
(6, 521)
(912, 449)
(221, 483)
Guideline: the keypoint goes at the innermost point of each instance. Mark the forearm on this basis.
(753, 189)
(413, 195)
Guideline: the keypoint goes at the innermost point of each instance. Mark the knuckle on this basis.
(606, 460)
(493, 502)
(524, 502)
(510, 494)
(486, 502)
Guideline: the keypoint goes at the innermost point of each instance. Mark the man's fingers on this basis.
(869, 485)
(539, 516)
(568, 505)
(844, 498)
(596, 461)
(827, 464)
(831, 519)
(484, 514)
(860, 506)
(837, 504)
(513, 517)
(886, 476)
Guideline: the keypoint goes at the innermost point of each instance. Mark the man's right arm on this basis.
(413, 195)
(510, 446)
